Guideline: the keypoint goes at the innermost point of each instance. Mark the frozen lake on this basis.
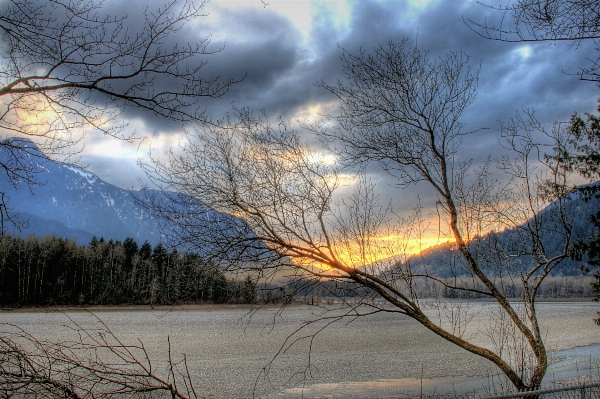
(382, 355)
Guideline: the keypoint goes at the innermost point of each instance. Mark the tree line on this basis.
(53, 271)
(554, 287)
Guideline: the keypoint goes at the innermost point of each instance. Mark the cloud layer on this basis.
(282, 49)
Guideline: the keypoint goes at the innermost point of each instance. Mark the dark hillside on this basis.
(443, 261)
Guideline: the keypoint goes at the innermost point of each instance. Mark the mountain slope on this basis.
(72, 203)
(444, 261)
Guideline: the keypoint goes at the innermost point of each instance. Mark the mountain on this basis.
(444, 261)
(70, 202)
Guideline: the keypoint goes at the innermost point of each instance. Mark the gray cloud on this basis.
(121, 172)
(281, 66)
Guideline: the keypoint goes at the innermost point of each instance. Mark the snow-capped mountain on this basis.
(70, 202)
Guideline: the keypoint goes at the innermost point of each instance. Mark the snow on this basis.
(108, 199)
(39, 165)
(91, 178)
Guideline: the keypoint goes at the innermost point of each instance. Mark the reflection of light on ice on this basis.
(581, 363)
(376, 389)
(570, 366)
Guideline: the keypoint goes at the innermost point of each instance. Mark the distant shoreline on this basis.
(118, 308)
(125, 307)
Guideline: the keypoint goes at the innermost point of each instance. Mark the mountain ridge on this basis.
(578, 204)
(73, 203)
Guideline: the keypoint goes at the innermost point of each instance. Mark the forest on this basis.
(52, 271)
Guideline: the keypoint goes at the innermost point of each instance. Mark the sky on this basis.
(282, 48)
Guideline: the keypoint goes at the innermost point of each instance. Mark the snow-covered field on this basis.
(383, 355)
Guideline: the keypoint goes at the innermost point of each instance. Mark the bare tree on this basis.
(574, 21)
(68, 67)
(401, 110)
(95, 364)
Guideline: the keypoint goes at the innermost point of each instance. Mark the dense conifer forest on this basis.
(52, 271)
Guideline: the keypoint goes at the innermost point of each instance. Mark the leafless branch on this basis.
(97, 364)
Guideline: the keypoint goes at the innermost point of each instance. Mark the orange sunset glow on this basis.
(379, 249)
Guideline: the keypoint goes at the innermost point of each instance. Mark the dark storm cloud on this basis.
(512, 76)
(281, 65)
(280, 69)
(129, 21)
(257, 46)
(508, 81)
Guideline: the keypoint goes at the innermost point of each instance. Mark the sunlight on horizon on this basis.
(382, 251)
